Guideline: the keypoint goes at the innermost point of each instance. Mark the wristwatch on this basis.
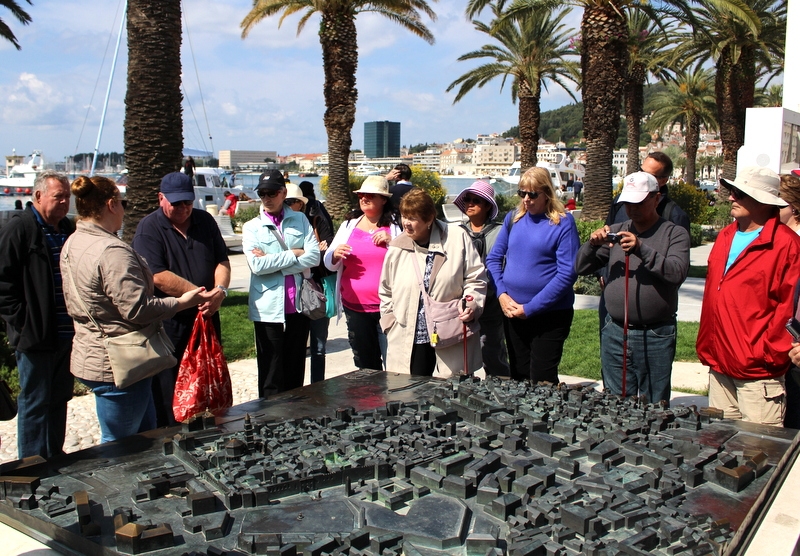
(224, 290)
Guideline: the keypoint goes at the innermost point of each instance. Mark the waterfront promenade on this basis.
(83, 430)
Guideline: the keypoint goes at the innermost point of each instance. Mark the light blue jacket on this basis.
(267, 282)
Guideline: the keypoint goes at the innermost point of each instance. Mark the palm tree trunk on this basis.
(692, 144)
(337, 36)
(634, 107)
(529, 116)
(604, 59)
(153, 113)
(735, 91)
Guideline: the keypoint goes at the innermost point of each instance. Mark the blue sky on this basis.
(261, 93)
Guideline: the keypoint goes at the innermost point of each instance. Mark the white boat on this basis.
(367, 170)
(21, 177)
(561, 173)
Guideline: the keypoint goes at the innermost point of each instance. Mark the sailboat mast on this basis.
(108, 90)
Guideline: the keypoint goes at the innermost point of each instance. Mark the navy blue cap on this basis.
(272, 181)
(177, 187)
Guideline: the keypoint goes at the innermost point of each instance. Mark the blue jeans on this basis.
(649, 357)
(319, 338)
(367, 340)
(123, 412)
(45, 388)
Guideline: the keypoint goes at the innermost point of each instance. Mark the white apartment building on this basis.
(620, 162)
(493, 159)
(245, 159)
(429, 160)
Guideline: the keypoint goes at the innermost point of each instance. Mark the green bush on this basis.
(692, 200)
(244, 215)
(587, 285)
(586, 227)
(696, 235)
(505, 204)
(719, 215)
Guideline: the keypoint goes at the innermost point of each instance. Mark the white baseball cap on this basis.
(637, 187)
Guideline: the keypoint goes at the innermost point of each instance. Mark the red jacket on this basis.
(742, 325)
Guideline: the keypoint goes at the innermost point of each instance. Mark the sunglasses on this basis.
(533, 195)
(292, 201)
(124, 203)
(737, 193)
(271, 193)
(470, 200)
(182, 204)
(367, 196)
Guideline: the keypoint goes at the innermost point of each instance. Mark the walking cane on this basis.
(625, 327)
(464, 308)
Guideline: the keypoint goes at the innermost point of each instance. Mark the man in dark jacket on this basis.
(38, 326)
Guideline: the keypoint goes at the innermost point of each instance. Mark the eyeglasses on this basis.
(367, 196)
(292, 201)
(271, 193)
(470, 200)
(737, 193)
(533, 195)
(182, 204)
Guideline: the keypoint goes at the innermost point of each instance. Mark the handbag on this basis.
(204, 383)
(8, 403)
(441, 317)
(313, 302)
(136, 355)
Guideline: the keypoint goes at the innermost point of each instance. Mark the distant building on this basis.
(382, 139)
(246, 159)
(429, 160)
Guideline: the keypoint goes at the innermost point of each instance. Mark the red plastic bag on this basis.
(203, 379)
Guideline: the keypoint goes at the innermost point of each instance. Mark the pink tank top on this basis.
(361, 272)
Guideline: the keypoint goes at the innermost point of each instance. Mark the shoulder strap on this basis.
(278, 237)
(79, 298)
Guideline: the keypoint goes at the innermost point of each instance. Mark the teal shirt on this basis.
(740, 241)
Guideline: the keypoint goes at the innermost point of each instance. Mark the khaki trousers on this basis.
(754, 401)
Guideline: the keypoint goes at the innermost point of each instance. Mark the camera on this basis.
(613, 237)
(793, 328)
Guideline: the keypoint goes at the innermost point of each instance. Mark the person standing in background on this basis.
(188, 168)
(323, 229)
(37, 324)
(184, 249)
(478, 204)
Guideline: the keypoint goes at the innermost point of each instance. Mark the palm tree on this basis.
(21, 15)
(604, 64)
(770, 96)
(648, 48)
(742, 50)
(153, 113)
(689, 100)
(532, 51)
(337, 35)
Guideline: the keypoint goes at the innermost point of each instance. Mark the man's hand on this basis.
(599, 236)
(794, 354)
(212, 301)
(629, 242)
(393, 175)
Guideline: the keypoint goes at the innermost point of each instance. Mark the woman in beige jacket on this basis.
(116, 286)
(451, 269)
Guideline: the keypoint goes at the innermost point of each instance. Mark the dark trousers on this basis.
(365, 334)
(45, 388)
(423, 360)
(179, 331)
(536, 345)
(281, 354)
(791, 419)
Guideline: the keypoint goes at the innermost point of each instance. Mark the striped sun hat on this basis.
(482, 190)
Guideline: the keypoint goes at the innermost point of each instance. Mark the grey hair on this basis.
(41, 180)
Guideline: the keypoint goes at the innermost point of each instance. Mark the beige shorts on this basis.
(755, 401)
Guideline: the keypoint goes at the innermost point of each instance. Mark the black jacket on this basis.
(27, 299)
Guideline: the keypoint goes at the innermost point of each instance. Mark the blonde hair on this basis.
(538, 179)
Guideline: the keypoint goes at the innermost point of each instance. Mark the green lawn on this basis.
(238, 337)
(582, 349)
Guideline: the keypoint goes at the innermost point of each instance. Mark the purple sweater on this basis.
(535, 263)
